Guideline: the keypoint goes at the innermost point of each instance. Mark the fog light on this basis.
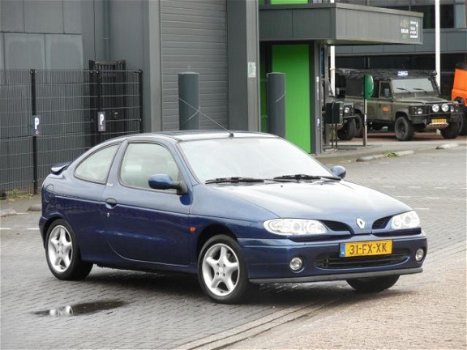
(296, 264)
(419, 254)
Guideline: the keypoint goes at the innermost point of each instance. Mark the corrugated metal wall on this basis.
(194, 38)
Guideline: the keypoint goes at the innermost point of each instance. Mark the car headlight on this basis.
(445, 107)
(346, 110)
(405, 221)
(435, 108)
(416, 110)
(295, 227)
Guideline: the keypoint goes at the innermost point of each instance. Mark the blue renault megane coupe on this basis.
(235, 208)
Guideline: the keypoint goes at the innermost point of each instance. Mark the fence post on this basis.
(141, 109)
(99, 102)
(35, 180)
(93, 105)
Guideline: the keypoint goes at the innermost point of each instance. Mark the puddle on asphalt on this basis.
(82, 308)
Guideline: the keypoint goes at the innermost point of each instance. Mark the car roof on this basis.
(192, 135)
(385, 73)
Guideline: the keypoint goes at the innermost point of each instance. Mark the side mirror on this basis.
(339, 171)
(165, 182)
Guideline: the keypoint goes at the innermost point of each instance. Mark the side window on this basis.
(376, 89)
(143, 160)
(384, 89)
(95, 168)
(354, 87)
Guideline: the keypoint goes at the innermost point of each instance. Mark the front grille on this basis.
(381, 223)
(336, 262)
(336, 226)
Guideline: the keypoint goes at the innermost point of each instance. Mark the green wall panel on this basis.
(288, 2)
(294, 61)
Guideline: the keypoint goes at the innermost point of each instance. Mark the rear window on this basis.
(95, 168)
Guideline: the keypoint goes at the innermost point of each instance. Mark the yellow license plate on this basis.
(369, 248)
(438, 121)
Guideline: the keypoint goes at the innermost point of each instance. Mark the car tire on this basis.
(62, 253)
(372, 284)
(358, 125)
(222, 271)
(404, 129)
(451, 131)
(348, 131)
(463, 127)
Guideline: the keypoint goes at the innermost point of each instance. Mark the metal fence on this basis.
(51, 116)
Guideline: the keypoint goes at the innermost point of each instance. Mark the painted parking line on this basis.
(403, 196)
(441, 188)
(5, 228)
(421, 209)
(32, 228)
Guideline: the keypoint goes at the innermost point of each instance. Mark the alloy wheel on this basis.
(221, 269)
(60, 249)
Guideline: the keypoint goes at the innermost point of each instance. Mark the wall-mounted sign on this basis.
(101, 121)
(36, 125)
(410, 29)
(251, 69)
(414, 30)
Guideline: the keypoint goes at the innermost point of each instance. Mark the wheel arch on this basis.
(401, 114)
(47, 225)
(211, 231)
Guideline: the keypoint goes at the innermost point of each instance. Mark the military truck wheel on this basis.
(348, 131)
(358, 125)
(451, 131)
(404, 129)
(463, 126)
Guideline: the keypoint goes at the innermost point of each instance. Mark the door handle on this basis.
(110, 203)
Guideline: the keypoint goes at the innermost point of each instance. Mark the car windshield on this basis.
(252, 158)
(415, 85)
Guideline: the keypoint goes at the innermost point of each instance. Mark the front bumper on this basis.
(427, 119)
(268, 260)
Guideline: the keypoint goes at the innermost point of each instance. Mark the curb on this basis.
(448, 145)
(385, 155)
(35, 207)
(7, 212)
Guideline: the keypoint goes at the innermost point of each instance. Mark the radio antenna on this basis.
(231, 134)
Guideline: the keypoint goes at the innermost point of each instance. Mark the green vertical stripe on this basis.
(294, 61)
(288, 2)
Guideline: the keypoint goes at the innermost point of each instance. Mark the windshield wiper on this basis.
(234, 180)
(399, 88)
(298, 177)
(420, 89)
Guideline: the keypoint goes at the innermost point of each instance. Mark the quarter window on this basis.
(95, 168)
(142, 160)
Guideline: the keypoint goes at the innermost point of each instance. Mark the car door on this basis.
(144, 224)
(384, 108)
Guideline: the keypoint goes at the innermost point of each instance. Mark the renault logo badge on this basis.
(361, 223)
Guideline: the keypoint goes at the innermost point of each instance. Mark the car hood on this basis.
(421, 99)
(322, 200)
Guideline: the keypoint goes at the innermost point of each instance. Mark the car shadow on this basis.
(186, 286)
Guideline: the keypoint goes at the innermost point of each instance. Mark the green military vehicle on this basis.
(404, 101)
